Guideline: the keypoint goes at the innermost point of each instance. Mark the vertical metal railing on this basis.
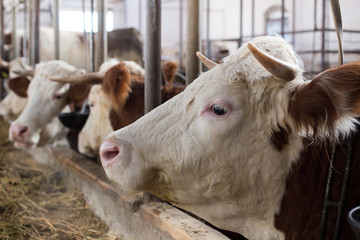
(193, 40)
(153, 55)
(101, 39)
(56, 29)
(36, 32)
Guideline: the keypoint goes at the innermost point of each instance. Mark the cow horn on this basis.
(276, 67)
(207, 62)
(89, 78)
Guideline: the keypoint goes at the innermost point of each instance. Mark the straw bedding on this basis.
(34, 204)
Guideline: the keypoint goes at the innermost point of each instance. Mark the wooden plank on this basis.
(130, 217)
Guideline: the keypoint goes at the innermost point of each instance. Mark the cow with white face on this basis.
(45, 100)
(223, 148)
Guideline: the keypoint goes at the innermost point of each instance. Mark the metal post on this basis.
(36, 32)
(241, 23)
(2, 36)
(193, 40)
(31, 32)
(323, 37)
(253, 18)
(282, 17)
(14, 39)
(153, 55)
(181, 40)
(91, 41)
(208, 48)
(24, 39)
(85, 35)
(293, 22)
(101, 39)
(56, 29)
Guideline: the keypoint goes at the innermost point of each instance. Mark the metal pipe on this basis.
(36, 32)
(24, 39)
(181, 39)
(91, 41)
(85, 35)
(293, 21)
(282, 17)
(193, 40)
(14, 40)
(101, 37)
(56, 29)
(208, 48)
(323, 37)
(31, 32)
(253, 18)
(2, 36)
(241, 23)
(153, 55)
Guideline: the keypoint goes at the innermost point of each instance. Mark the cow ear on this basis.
(77, 94)
(169, 70)
(331, 95)
(19, 85)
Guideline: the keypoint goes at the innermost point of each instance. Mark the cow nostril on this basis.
(108, 152)
(23, 130)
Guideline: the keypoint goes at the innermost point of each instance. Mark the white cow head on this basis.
(45, 100)
(98, 124)
(222, 149)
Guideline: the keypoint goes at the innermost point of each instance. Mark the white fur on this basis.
(98, 125)
(42, 106)
(222, 168)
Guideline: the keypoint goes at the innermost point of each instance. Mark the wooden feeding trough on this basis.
(130, 217)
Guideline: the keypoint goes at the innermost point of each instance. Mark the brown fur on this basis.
(169, 69)
(77, 95)
(327, 97)
(116, 85)
(301, 209)
(127, 95)
(19, 85)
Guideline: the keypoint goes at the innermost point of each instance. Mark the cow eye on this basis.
(219, 110)
(57, 96)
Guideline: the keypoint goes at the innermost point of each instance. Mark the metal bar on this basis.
(253, 18)
(282, 17)
(91, 41)
(56, 29)
(101, 40)
(323, 37)
(31, 32)
(153, 55)
(181, 39)
(208, 47)
(24, 39)
(241, 23)
(85, 35)
(36, 31)
(14, 40)
(293, 21)
(2, 36)
(193, 40)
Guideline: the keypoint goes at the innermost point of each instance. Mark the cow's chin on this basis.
(24, 145)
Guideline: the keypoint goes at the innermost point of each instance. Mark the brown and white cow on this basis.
(118, 102)
(45, 100)
(232, 147)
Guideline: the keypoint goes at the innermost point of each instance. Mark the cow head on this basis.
(45, 100)
(222, 149)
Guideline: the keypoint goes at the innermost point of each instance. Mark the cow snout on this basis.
(108, 153)
(19, 131)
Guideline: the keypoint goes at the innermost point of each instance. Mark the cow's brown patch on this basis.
(19, 85)
(77, 95)
(330, 95)
(116, 85)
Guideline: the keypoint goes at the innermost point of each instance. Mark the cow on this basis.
(45, 100)
(126, 44)
(16, 72)
(246, 146)
(118, 102)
